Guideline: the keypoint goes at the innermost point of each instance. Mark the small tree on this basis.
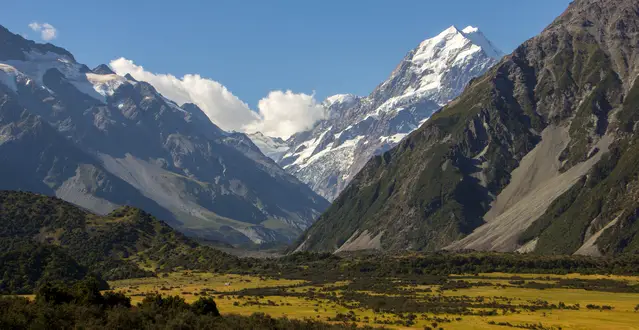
(157, 302)
(87, 291)
(53, 294)
(205, 306)
(113, 299)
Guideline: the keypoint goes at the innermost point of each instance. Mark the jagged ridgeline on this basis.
(539, 154)
(100, 141)
(45, 239)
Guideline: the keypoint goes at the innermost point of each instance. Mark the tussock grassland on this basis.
(480, 301)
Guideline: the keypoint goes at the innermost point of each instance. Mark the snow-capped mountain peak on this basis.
(431, 75)
(434, 59)
(453, 38)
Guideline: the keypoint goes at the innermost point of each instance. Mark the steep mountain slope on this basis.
(100, 140)
(539, 154)
(55, 240)
(328, 156)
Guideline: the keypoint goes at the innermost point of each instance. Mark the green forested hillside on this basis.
(44, 238)
(26, 264)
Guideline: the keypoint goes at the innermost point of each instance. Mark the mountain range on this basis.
(539, 154)
(328, 156)
(461, 148)
(101, 141)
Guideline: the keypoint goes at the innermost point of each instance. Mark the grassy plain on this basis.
(482, 301)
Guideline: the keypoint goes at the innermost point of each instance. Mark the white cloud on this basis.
(280, 114)
(47, 31)
(286, 113)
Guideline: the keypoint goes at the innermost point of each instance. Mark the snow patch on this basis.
(273, 148)
(352, 143)
(308, 150)
(105, 84)
(396, 138)
(8, 76)
(37, 64)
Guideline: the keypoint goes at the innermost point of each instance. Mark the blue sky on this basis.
(253, 47)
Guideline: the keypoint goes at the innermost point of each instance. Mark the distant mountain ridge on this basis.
(100, 141)
(328, 156)
(537, 155)
(274, 148)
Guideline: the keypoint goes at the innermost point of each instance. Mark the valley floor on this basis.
(479, 301)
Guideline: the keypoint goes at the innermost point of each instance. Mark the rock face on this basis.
(537, 155)
(328, 156)
(100, 140)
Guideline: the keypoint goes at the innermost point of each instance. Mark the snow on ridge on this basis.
(274, 148)
(450, 40)
(272, 142)
(339, 99)
(433, 52)
(309, 149)
(434, 58)
(37, 64)
(344, 162)
(106, 84)
(478, 38)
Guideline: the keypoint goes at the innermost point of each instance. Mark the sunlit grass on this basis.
(190, 285)
(225, 289)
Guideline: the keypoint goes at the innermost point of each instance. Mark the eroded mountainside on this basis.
(101, 141)
(539, 154)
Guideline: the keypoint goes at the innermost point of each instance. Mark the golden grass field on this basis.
(224, 288)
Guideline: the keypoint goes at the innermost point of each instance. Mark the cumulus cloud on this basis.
(47, 31)
(280, 114)
(286, 113)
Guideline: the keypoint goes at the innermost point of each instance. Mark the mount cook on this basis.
(328, 156)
